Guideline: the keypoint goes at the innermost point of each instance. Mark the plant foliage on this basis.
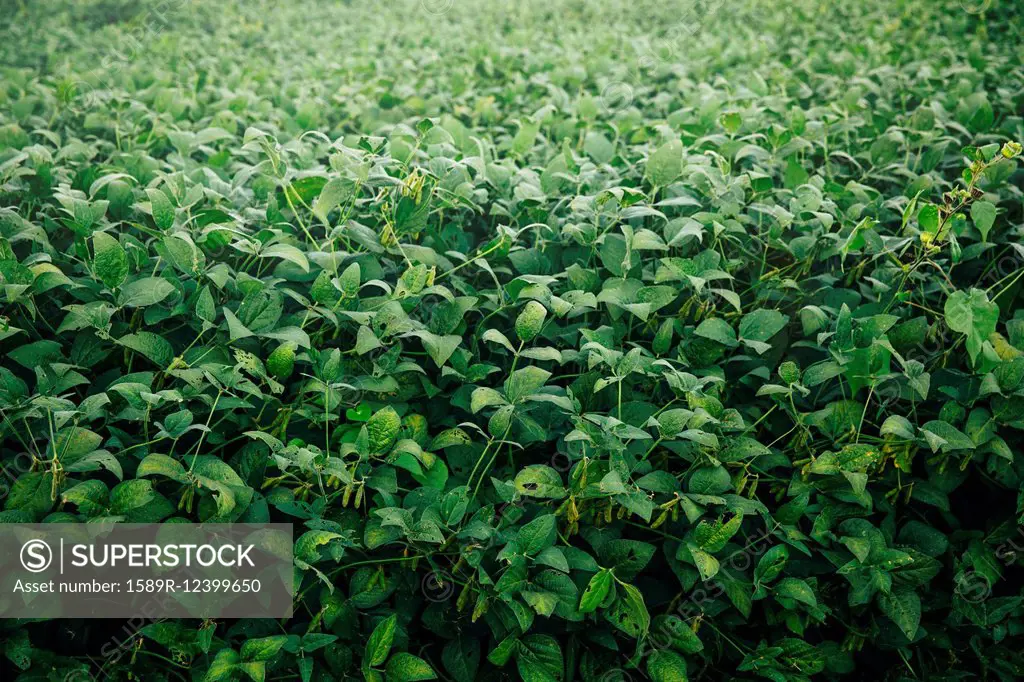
(580, 341)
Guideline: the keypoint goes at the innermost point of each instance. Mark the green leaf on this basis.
(974, 315)
(449, 438)
(771, 563)
(761, 325)
(206, 308)
(31, 493)
(526, 135)
(336, 191)
(485, 397)
(223, 666)
(150, 345)
(795, 175)
(711, 537)
(323, 290)
(494, 336)
(403, 667)
(539, 659)
(797, 590)
(671, 630)
(597, 591)
(73, 443)
(130, 495)
(928, 218)
(537, 535)
(665, 164)
(903, 607)
(110, 261)
(383, 428)
(524, 382)
(718, 330)
(461, 658)
(163, 209)
(366, 341)
(281, 361)
(144, 292)
(260, 310)
(162, 465)
(530, 321)
(539, 480)
(629, 613)
(315, 545)
(707, 565)
(983, 213)
(18, 650)
(287, 252)
(263, 648)
(184, 254)
(743, 448)
(666, 666)
(378, 646)
(731, 121)
(236, 330)
(89, 496)
(440, 348)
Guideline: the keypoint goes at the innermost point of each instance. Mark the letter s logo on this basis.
(36, 556)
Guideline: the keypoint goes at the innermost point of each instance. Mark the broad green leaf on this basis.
(762, 325)
(629, 613)
(144, 292)
(711, 537)
(263, 648)
(382, 429)
(403, 667)
(539, 480)
(130, 495)
(718, 330)
(378, 646)
(162, 465)
(971, 313)
(163, 209)
(904, 608)
(110, 261)
(666, 666)
(596, 591)
(536, 535)
(287, 252)
(771, 563)
(525, 381)
(539, 659)
(150, 345)
(665, 164)
(983, 213)
(333, 194)
(530, 321)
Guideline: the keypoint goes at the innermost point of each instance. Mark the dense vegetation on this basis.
(579, 340)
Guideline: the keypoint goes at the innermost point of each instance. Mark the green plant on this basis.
(719, 377)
